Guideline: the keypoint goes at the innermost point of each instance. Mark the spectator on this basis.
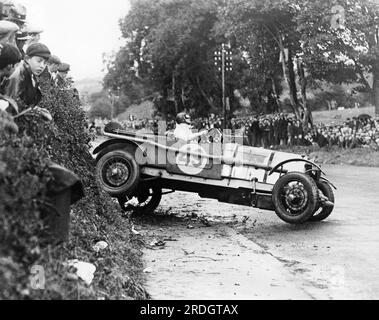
(8, 32)
(9, 56)
(23, 86)
(21, 39)
(52, 65)
(62, 73)
(280, 129)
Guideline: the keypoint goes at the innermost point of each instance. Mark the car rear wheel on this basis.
(148, 199)
(295, 197)
(324, 211)
(118, 173)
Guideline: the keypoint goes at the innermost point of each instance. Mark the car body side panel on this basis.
(260, 156)
(195, 162)
(213, 161)
(225, 182)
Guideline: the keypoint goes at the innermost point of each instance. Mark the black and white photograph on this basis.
(174, 153)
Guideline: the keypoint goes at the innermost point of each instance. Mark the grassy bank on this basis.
(364, 157)
(24, 245)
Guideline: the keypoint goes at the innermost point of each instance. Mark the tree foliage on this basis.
(341, 42)
(24, 176)
(170, 50)
(278, 45)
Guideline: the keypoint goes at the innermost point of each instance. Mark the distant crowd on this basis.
(281, 130)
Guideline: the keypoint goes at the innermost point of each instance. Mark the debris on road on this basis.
(83, 270)
(157, 243)
(187, 253)
(148, 270)
(160, 243)
(245, 219)
(135, 231)
(170, 239)
(205, 221)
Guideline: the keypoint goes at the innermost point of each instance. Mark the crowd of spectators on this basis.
(351, 134)
(283, 130)
(29, 68)
(269, 131)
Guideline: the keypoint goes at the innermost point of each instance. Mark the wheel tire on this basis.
(125, 180)
(325, 212)
(151, 204)
(149, 198)
(298, 205)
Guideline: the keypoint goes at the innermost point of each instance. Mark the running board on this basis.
(226, 182)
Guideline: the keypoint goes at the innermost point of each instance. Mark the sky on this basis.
(79, 31)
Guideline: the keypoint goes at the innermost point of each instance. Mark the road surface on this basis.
(248, 254)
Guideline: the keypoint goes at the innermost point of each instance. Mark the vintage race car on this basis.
(140, 166)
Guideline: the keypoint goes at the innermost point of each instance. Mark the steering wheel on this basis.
(213, 136)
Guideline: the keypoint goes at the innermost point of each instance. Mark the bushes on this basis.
(23, 178)
(22, 191)
(24, 174)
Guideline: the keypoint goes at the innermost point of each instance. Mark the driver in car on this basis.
(183, 130)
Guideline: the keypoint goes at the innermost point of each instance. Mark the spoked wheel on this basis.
(295, 197)
(118, 173)
(148, 199)
(326, 204)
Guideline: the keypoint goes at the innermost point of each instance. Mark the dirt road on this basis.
(201, 249)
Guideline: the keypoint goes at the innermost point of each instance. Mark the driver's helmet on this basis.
(183, 118)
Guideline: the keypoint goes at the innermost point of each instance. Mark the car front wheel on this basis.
(324, 210)
(295, 197)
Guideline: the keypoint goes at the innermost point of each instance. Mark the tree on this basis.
(169, 50)
(341, 42)
(264, 32)
(101, 106)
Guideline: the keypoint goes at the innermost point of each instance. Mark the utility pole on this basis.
(223, 61)
(111, 99)
(113, 111)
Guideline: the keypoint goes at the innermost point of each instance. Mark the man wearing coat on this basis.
(23, 84)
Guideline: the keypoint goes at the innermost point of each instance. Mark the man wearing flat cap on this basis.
(8, 32)
(26, 36)
(63, 70)
(34, 33)
(17, 14)
(9, 57)
(49, 76)
(53, 64)
(23, 85)
(21, 39)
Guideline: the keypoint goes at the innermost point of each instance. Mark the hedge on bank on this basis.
(24, 174)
